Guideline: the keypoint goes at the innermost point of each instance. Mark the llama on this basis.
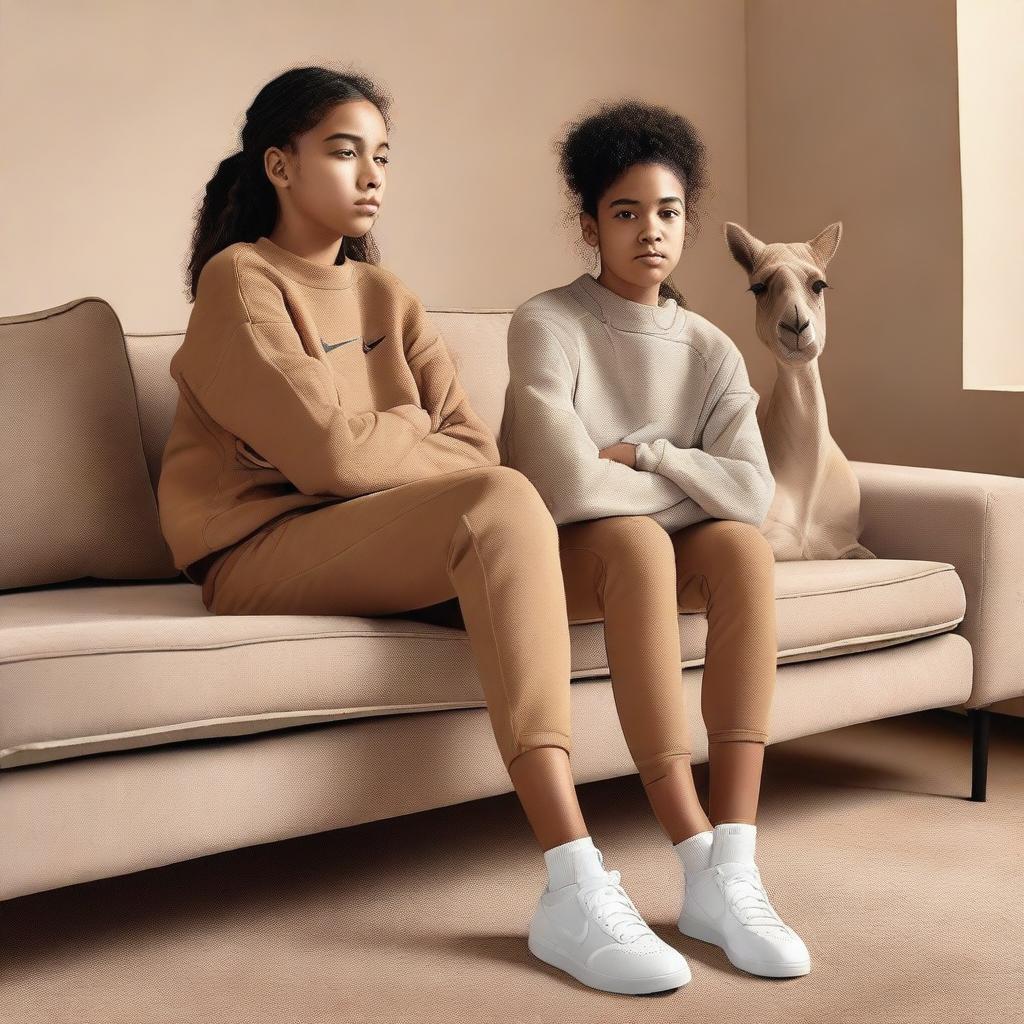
(815, 512)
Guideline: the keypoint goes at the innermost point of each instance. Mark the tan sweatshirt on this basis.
(589, 368)
(299, 385)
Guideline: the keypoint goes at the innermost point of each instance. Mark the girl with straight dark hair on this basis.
(324, 460)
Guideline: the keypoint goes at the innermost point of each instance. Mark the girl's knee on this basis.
(507, 503)
(637, 539)
(742, 543)
(515, 492)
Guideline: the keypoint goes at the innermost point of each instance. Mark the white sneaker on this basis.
(592, 930)
(726, 904)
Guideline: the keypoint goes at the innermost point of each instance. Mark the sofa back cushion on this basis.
(75, 496)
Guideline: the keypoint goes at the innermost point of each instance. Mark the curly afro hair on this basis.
(599, 148)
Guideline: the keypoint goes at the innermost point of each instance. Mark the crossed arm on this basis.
(283, 402)
(728, 474)
(543, 436)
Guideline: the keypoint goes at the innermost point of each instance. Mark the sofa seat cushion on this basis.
(88, 668)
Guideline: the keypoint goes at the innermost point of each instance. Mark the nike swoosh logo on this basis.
(367, 345)
(331, 348)
(582, 936)
(575, 936)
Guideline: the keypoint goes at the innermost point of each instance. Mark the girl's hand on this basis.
(623, 452)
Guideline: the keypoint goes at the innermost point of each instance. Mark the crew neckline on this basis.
(298, 268)
(667, 318)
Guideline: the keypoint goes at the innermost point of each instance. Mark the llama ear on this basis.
(824, 244)
(745, 248)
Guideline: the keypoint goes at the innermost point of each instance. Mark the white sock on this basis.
(734, 841)
(572, 861)
(695, 852)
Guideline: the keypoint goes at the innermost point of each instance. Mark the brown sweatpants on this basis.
(484, 536)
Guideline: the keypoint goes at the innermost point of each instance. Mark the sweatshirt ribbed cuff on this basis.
(648, 456)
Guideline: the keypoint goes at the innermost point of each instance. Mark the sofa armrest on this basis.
(975, 522)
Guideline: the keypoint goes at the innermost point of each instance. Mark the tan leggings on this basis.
(484, 536)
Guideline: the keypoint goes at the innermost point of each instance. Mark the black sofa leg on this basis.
(979, 751)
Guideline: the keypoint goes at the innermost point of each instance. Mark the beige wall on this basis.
(115, 115)
(122, 110)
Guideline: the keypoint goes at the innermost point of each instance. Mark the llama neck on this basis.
(798, 401)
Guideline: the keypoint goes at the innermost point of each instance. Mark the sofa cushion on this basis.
(92, 668)
(77, 500)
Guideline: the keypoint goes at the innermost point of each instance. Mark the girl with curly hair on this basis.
(634, 417)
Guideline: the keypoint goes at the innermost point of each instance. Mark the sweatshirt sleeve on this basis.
(460, 438)
(728, 474)
(544, 438)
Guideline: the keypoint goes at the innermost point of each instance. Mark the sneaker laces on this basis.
(744, 892)
(606, 899)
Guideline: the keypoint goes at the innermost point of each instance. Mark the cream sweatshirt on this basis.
(588, 368)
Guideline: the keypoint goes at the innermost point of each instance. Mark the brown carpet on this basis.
(908, 896)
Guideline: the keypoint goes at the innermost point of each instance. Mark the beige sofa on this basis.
(137, 729)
